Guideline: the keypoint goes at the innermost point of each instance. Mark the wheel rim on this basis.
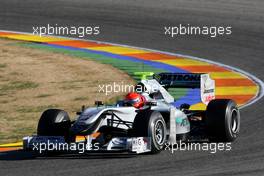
(159, 132)
(234, 121)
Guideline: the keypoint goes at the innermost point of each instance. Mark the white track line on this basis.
(259, 82)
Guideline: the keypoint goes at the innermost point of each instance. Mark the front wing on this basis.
(43, 144)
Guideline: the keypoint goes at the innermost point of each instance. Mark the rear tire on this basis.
(222, 120)
(54, 122)
(151, 124)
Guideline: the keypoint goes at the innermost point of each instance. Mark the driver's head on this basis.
(135, 99)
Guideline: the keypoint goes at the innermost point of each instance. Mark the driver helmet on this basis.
(135, 99)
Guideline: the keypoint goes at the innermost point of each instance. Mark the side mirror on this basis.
(80, 112)
(98, 103)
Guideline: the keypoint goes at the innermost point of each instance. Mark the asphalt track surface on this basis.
(140, 23)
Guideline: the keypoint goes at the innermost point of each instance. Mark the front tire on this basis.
(151, 124)
(222, 120)
(54, 122)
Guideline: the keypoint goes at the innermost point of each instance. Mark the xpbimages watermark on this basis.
(115, 87)
(183, 30)
(80, 31)
(191, 146)
(65, 147)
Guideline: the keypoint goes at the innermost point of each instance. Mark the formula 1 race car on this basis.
(145, 120)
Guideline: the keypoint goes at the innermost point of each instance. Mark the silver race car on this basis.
(145, 121)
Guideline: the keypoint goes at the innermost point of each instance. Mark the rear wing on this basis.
(201, 81)
(179, 80)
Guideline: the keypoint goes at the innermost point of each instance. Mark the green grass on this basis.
(4, 101)
(2, 112)
(70, 86)
(114, 100)
(43, 95)
(2, 94)
(24, 131)
(80, 98)
(4, 51)
(32, 109)
(14, 73)
(3, 65)
(18, 85)
(18, 133)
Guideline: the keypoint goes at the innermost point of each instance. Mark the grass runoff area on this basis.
(33, 80)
